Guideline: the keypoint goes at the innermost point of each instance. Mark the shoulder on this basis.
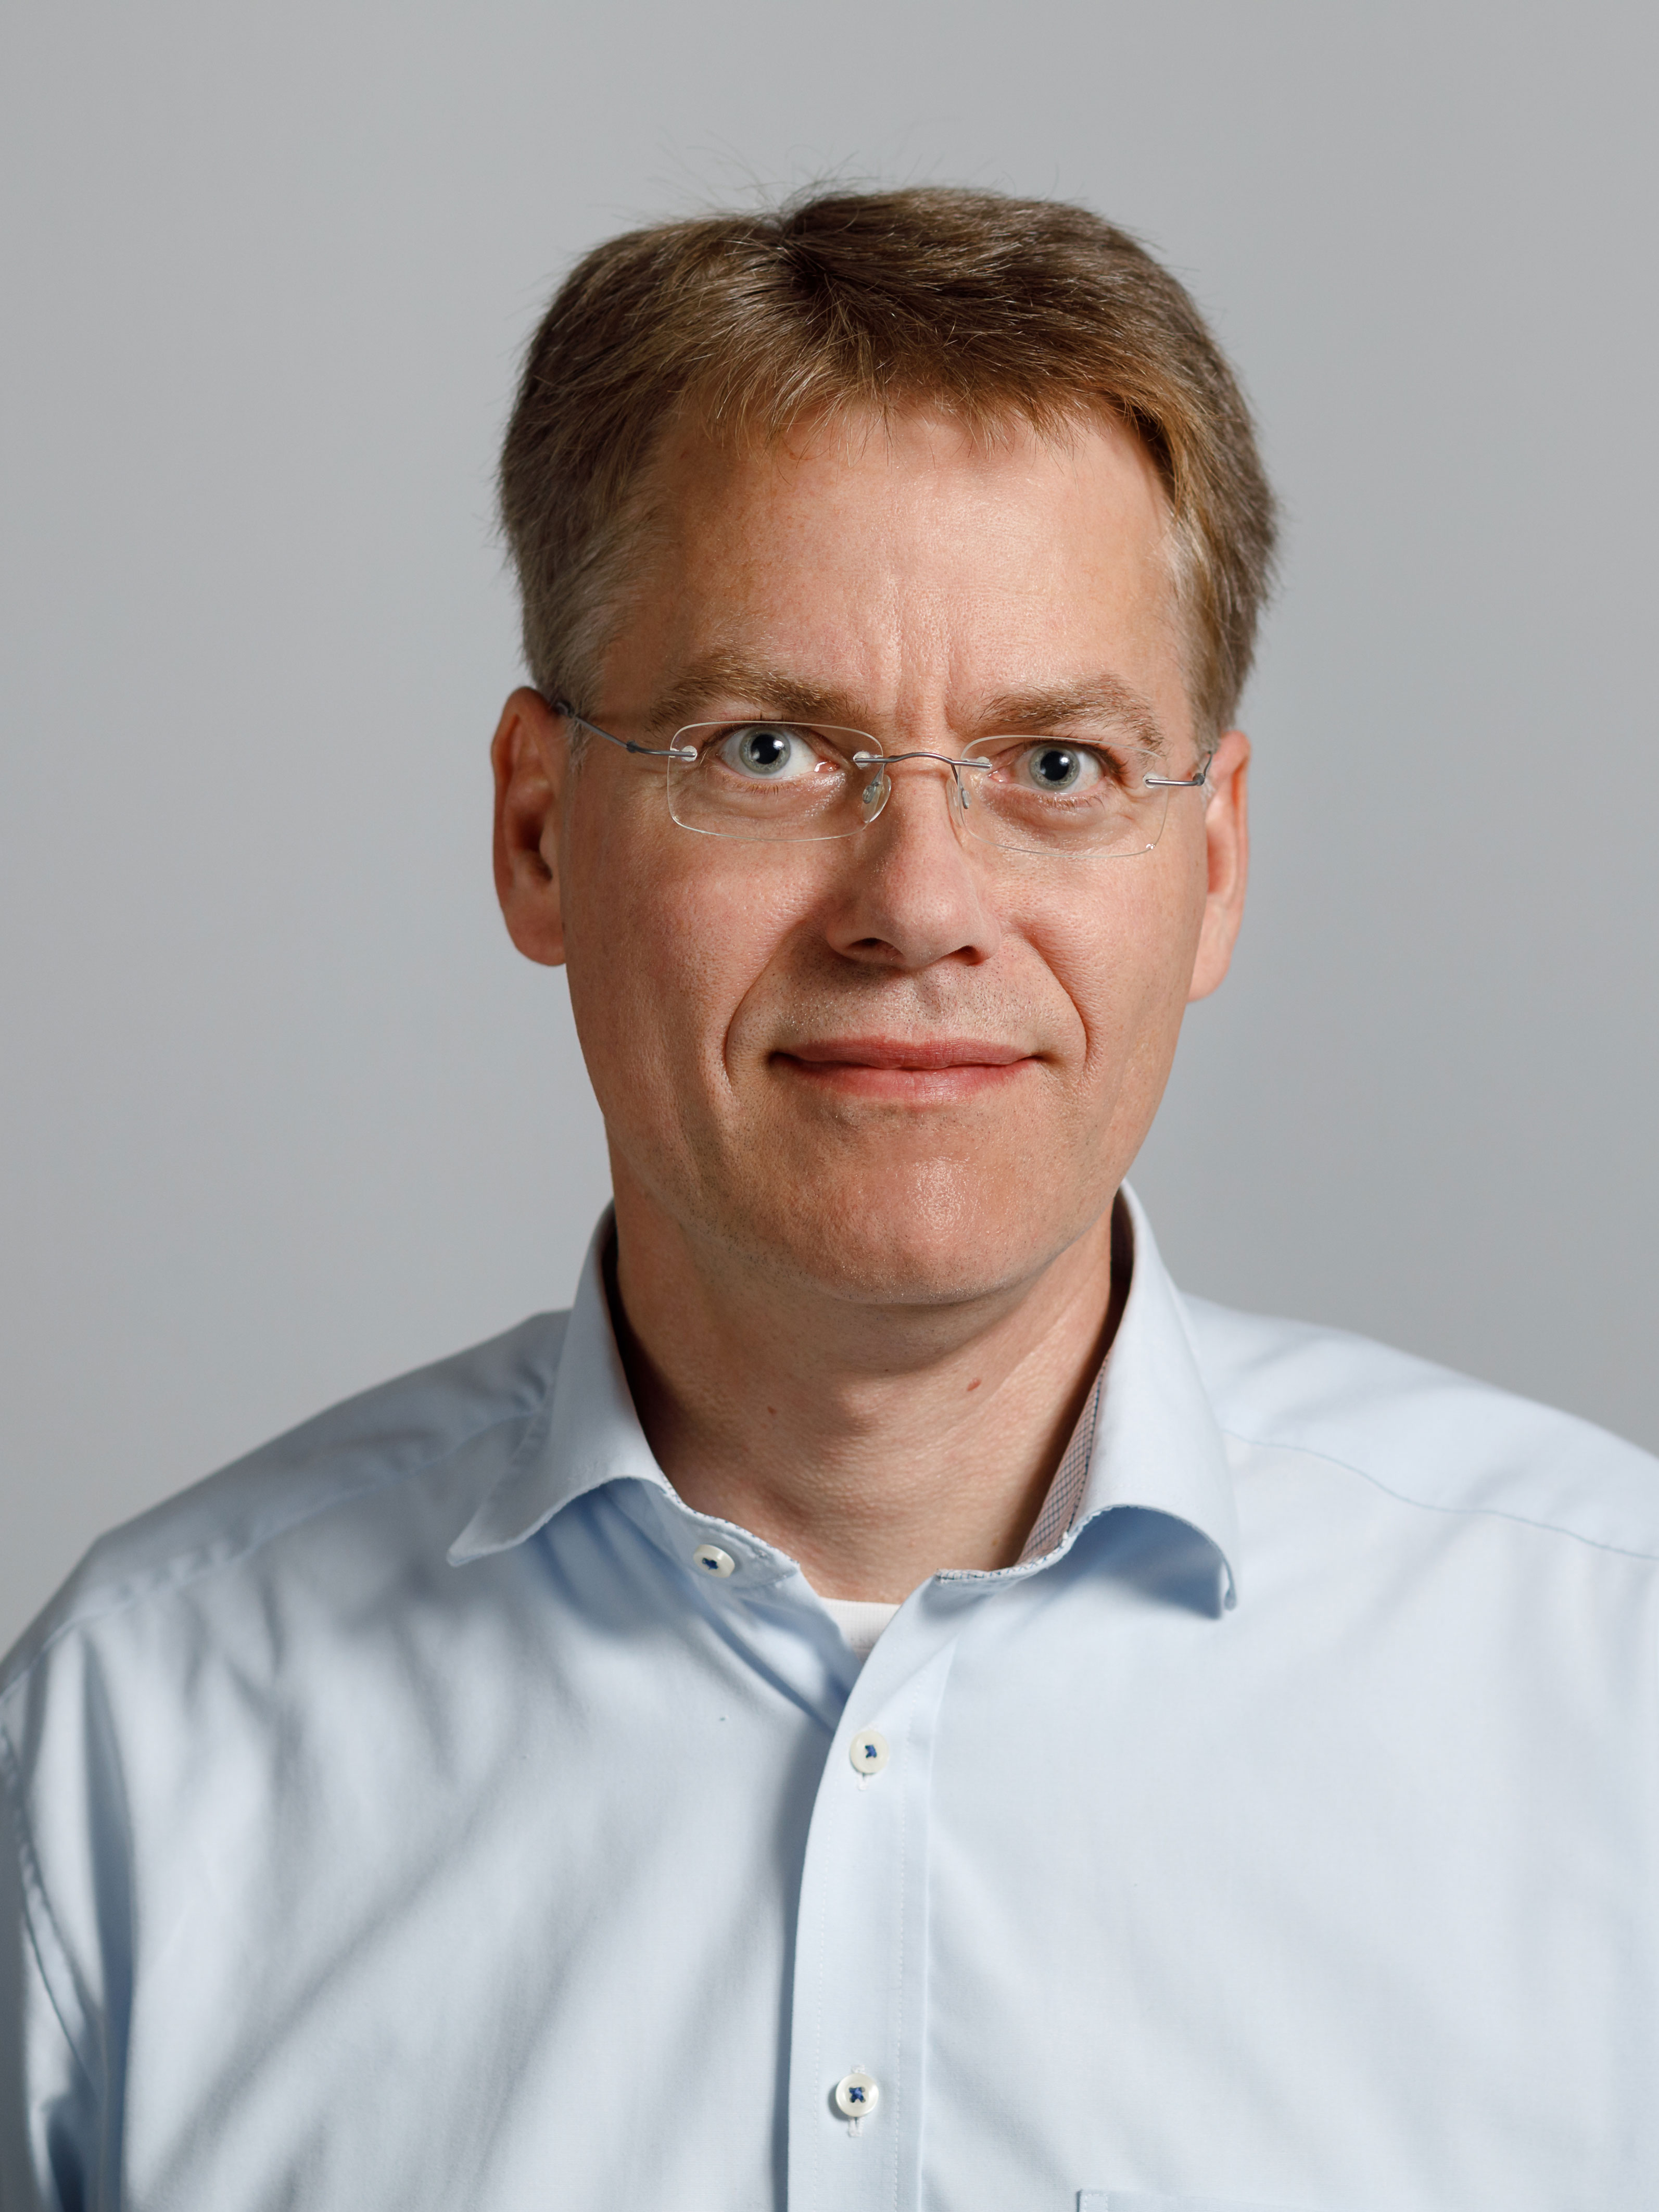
(1427, 1435)
(410, 1458)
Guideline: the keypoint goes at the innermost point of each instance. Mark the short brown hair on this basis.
(980, 305)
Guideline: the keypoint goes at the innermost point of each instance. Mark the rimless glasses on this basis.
(770, 781)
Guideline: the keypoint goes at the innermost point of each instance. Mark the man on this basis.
(885, 1704)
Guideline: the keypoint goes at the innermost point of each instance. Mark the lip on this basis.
(921, 1070)
(916, 1053)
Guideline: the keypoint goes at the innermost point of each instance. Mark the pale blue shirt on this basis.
(417, 1815)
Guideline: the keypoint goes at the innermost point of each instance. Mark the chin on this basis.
(929, 1234)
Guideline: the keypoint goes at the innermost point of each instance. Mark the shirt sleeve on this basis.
(48, 2116)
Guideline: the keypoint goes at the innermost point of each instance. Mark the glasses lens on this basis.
(1058, 794)
(772, 780)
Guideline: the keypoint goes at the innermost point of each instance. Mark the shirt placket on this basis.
(858, 2030)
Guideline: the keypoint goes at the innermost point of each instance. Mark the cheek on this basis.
(665, 937)
(1124, 957)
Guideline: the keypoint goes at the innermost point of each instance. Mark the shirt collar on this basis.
(589, 1434)
(1148, 1438)
(1156, 1444)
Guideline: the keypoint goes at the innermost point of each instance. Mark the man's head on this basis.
(982, 308)
(935, 467)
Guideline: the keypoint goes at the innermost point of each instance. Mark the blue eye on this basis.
(768, 750)
(1060, 769)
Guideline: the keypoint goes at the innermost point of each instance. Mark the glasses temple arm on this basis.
(651, 752)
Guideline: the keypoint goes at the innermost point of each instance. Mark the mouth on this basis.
(916, 1071)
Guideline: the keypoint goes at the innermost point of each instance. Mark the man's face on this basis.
(901, 1066)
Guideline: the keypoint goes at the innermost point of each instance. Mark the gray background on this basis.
(284, 1114)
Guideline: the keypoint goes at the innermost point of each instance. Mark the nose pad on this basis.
(959, 806)
(875, 794)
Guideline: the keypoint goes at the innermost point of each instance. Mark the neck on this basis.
(875, 1445)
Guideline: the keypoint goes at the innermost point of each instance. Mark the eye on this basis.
(767, 753)
(1061, 770)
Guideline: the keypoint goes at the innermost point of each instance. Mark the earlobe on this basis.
(1227, 856)
(531, 758)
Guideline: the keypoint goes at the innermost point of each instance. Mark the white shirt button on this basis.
(868, 1752)
(712, 1560)
(857, 2095)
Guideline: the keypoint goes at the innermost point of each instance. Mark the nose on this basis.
(911, 893)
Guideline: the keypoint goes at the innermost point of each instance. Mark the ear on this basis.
(530, 756)
(1227, 834)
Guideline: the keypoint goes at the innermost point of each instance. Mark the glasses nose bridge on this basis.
(921, 761)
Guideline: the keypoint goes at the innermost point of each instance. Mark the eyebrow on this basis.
(1103, 698)
(722, 671)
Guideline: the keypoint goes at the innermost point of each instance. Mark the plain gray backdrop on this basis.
(284, 1112)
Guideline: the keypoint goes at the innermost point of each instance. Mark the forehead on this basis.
(893, 554)
(906, 480)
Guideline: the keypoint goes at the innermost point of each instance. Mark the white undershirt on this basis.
(860, 1620)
